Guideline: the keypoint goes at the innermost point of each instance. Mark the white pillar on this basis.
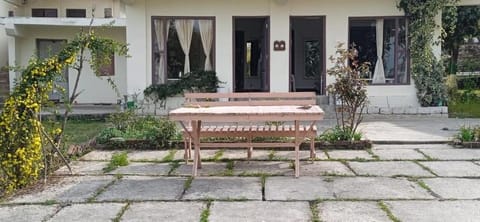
(12, 60)
(279, 31)
(437, 48)
(137, 76)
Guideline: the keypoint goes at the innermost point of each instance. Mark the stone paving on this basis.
(427, 182)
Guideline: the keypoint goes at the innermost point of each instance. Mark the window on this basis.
(108, 69)
(76, 13)
(181, 45)
(44, 12)
(383, 43)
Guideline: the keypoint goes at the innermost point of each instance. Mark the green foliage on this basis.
(22, 136)
(339, 134)
(197, 81)
(117, 160)
(349, 90)
(460, 23)
(157, 130)
(469, 134)
(426, 70)
(121, 120)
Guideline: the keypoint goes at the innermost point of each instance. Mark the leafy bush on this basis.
(339, 134)
(158, 131)
(469, 134)
(197, 81)
(349, 90)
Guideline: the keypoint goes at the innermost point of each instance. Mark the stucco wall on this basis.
(336, 13)
(62, 5)
(95, 89)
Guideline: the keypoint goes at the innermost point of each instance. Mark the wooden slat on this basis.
(243, 144)
(303, 102)
(189, 96)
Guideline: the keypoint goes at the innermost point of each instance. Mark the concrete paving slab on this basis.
(98, 155)
(398, 154)
(455, 188)
(351, 211)
(145, 169)
(234, 154)
(453, 154)
(27, 213)
(377, 188)
(259, 211)
(410, 146)
(156, 155)
(302, 188)
(88, 212)
(208, 169)
(453, 168)
(224, 188)
(164, 211)
(83, 168)
(144, 188)
(284, 155)
(349, 154)
(262, 167)
(463, 210)
(68, 189)
(389, 169)
(323, 168)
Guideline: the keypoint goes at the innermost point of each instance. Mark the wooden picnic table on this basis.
(246, 114)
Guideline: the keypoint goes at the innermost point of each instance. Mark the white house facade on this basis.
(253, 45)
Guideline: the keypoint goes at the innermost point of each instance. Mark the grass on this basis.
(314, 210)
(170, 156)
(389, 213)
(120, 214)
(464, 109)
(206, 212)
(117, 160)
(78, 131)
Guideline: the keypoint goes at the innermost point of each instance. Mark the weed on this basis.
(173, 166)
(188, 183)
(314, 210)
(117, 160)
(271, 155)
(50, 202)
(206, 212)
(218, 155)
(170, 156)
(120, 214)
(389, 213)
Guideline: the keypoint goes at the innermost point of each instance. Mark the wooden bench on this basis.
(250, 130)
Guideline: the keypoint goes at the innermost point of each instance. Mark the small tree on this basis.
(348, 89)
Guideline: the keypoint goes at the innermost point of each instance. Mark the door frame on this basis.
(267, 49)
(323, 77)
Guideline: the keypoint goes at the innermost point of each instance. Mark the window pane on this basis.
(363, 35)
(389, 49)
(197, 56)
(175, 55)
(402, 62)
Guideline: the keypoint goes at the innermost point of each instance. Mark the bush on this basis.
(469, 134)
(339, 134)
(157, 131)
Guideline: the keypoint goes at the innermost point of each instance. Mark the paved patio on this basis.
(413, 179)
(429, 182)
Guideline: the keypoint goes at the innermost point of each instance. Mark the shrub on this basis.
(339, 134)
(157, 131)
(469, 134)
(349, 91)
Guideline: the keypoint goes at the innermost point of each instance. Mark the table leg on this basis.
(297, 149)
(196, 140)
(199, 128)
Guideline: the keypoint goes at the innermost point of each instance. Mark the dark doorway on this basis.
(47, 48)
(307, 54)
(250, 52)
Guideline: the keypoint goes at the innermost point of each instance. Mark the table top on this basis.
(247, 113)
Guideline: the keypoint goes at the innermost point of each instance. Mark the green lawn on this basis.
(79, 131)
(464, 110)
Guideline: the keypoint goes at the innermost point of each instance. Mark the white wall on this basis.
(62, 5)
(337, 14)
(4, 7)
(95, 89)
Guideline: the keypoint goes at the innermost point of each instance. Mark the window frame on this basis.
(407, 47)
(44, 10)
(152, 37)
(75, 10)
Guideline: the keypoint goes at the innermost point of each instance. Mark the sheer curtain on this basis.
(161, 35)
(379, 73)
(206, 32)
(184, 29)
